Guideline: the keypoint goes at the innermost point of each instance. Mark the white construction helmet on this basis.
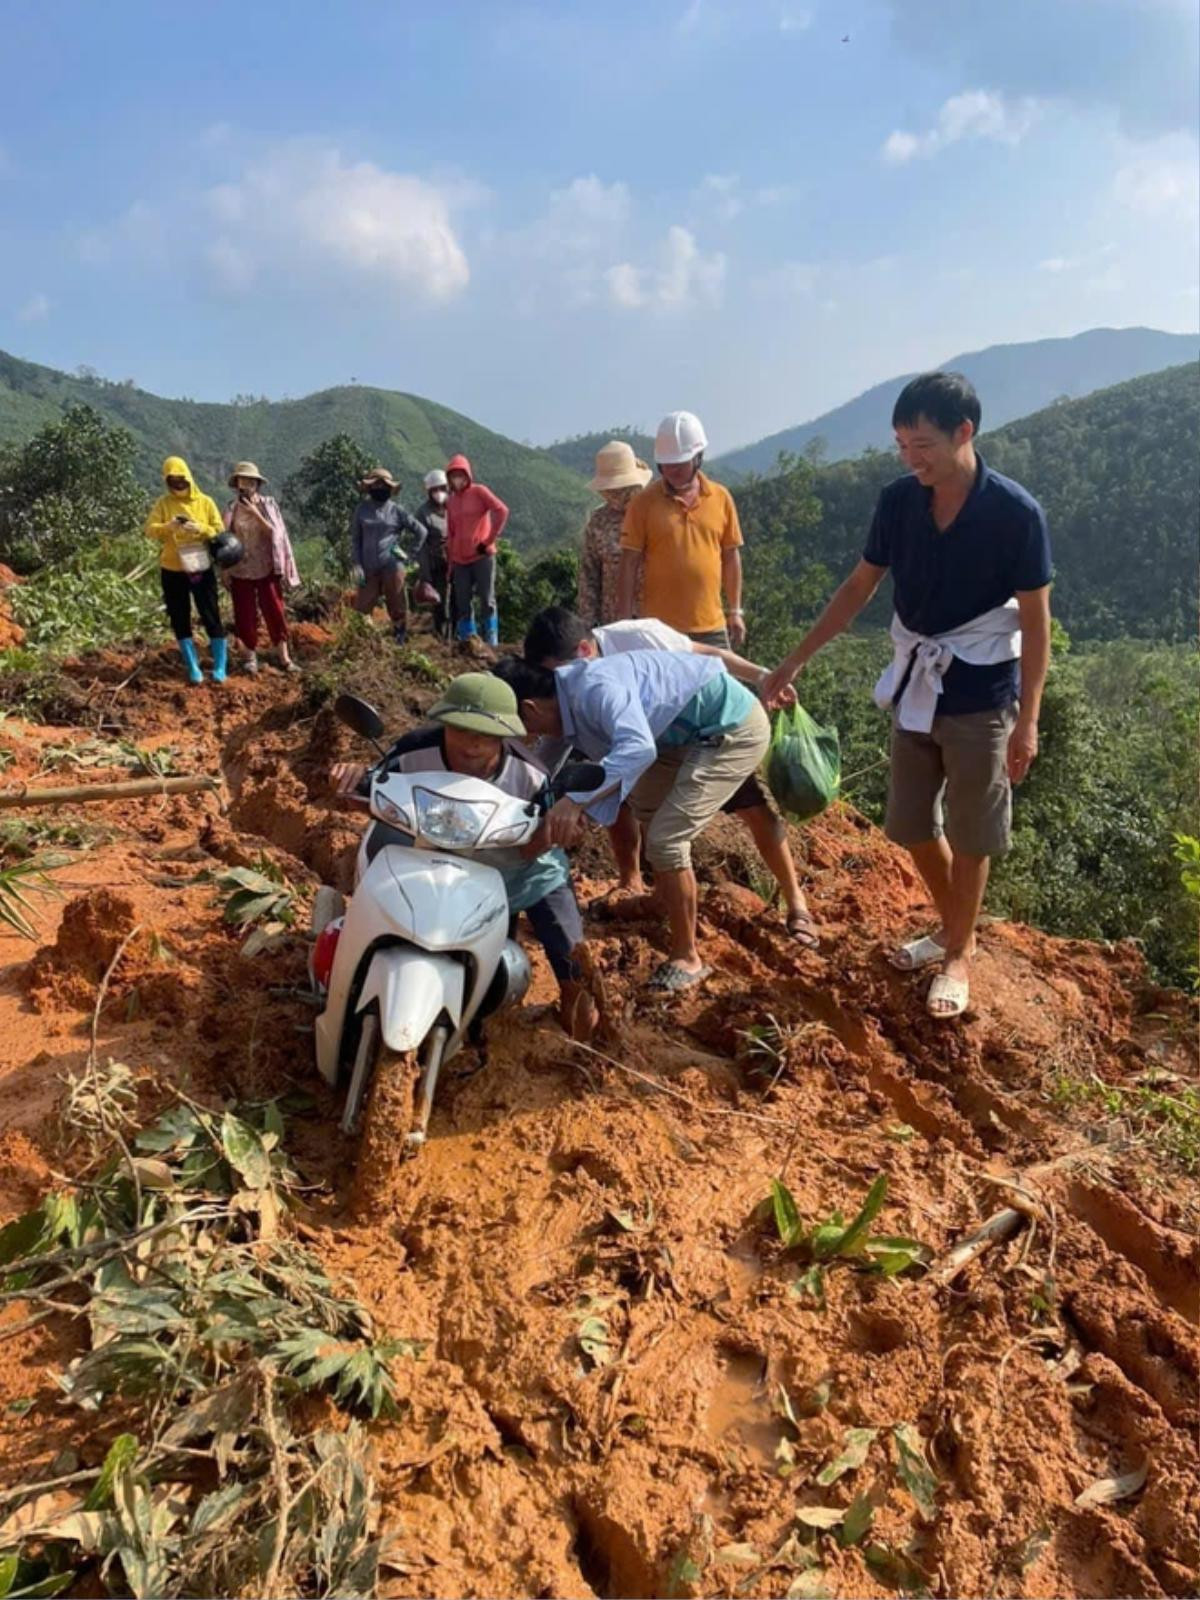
(680, 438)
(435, 479)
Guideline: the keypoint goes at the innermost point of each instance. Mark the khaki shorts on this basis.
(688, 785)
(959, 769)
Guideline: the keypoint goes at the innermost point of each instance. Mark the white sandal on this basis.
(920, 953)
(954, 995)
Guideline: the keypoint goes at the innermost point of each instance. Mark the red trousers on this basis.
(252, 595)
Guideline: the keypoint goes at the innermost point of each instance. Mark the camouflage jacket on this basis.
(599, 564)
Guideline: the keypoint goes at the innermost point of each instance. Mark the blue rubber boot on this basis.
(187, 649)
(466, 629)
(491, 631)
(400, 633)
(220, 658)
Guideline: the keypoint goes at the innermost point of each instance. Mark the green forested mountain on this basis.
(579, 453)
(407, 434)
(1116, 474)
(1013, 380)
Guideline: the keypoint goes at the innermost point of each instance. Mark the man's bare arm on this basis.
(848, 599)
(627, 579)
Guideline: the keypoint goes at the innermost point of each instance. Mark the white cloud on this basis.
(1161, 179)
(684, 278)
(299, 209)
(139, 233)
(35, 309)
(1056, 264)
(563, 251)
(974, 114)
(302, 202)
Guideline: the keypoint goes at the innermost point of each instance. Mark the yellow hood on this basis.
(177, 467)
(190, 503)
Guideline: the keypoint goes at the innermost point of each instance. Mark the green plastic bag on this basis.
(804, 764)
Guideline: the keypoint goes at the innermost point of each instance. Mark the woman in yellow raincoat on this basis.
(183, 522)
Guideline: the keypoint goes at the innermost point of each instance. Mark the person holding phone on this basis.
(256, 582)
(183, 523)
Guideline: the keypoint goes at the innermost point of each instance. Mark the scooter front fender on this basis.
(412, 988)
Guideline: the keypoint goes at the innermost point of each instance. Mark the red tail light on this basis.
(321, 961)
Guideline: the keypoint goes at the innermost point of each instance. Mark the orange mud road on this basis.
(619, 1189)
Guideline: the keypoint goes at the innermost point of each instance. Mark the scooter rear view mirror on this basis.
(579, 777)
(361, 717)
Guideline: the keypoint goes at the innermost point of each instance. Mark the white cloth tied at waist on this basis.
(983, 642)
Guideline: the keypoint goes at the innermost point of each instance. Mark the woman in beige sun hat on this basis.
(619, 476)
(268, 565)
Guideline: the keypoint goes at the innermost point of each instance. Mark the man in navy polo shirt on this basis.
(970, 561)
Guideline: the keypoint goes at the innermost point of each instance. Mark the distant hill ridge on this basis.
(1014, 380)
(408, 434)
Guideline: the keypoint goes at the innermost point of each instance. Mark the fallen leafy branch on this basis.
(205, 1323)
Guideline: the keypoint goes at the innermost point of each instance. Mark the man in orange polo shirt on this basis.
(681, 534)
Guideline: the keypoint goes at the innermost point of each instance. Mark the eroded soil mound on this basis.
(629, 1385)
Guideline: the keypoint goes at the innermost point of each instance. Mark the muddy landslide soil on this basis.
(621, 1184)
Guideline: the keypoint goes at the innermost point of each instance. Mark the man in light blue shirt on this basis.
(676, 736)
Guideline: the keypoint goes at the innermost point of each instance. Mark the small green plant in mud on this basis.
(260, 899)
(820, 1531)
(18, 881)
(1160, 1112)
(836, 1239)
(418, 665)
(22, 837)
(205, 1322)
(98, 753)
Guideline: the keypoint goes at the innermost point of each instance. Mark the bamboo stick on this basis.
(85, 792)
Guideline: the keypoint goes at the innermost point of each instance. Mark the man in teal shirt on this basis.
(676, 736)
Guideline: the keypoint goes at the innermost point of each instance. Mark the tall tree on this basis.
(68, 488)
(324, 490)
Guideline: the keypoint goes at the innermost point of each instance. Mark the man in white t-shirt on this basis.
(557, 635)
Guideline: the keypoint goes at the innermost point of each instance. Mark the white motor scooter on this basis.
(422, 952)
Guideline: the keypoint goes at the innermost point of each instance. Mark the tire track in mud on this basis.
(555, 1187)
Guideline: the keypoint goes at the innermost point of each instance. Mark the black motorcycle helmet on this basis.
(227, 549)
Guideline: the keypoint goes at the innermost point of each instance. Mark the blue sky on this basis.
(562, 217)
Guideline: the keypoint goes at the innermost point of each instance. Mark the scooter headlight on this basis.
(451, 824)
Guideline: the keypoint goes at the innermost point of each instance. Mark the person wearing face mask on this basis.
(183, 522)
(377, 557)
(619, 476)
(475, 519)
(256, 582)
(431, 561)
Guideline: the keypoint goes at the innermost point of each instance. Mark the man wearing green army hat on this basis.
(473, 730)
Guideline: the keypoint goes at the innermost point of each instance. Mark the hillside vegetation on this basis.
(1013, 380)
(579, 453)
(408, 434)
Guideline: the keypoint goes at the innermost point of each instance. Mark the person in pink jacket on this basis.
(257, 582)
(475, 519)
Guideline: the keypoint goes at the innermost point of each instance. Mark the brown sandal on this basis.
(803, 928)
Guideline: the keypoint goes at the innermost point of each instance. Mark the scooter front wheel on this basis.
(380, 1075)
